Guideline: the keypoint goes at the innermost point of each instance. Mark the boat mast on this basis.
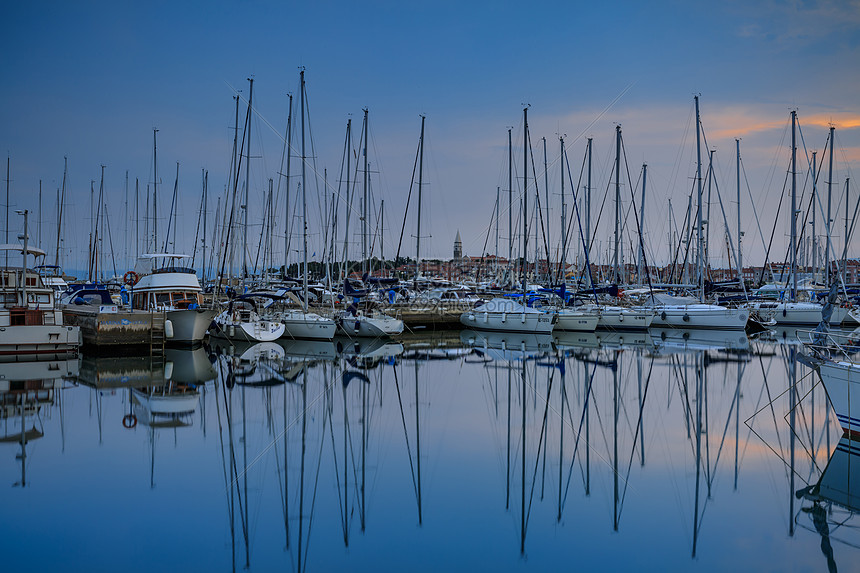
(510, 202)
(154, 191)
(546, 207)
(247, 185)
(793, 256)
(304, 198)
(563, 257)
(615, 263)
(525, 199)
(699, 239)
(287, 177)
(829, 198)
(642, 225)
(588, 214)
(205, 204)
(59, 210)
(25, 212)
(814, 238)
(740, 233)
(364, 262)
(496, 261)
(420, 186)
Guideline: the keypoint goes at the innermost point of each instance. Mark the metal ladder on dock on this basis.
(156, 340)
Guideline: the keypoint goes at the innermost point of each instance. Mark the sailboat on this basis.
(688, 312)
(299, 323)
(508, 315)
(355, 321)
(792, 311)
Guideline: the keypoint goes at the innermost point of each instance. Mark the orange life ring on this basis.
(129, 421)
(130, 278)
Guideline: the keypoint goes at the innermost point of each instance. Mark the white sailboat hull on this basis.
(803, 313)
(699, 316)
(510, 321)
(369, 326)
(255, 330)
(301, 325)
(842, 384)
(577, 320)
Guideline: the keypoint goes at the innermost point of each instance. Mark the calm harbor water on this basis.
(457, 451)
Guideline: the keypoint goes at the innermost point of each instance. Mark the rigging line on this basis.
(561, 274)
(279, 436)
(605, 110)
(773, 230)
(538, 213)
(261, 117)
(408, 199)
(635, 438)
(638, 229)
(314, 496)
(752, 202)
(730, 241)
(540, 442)
(406, 434)
(579, 222)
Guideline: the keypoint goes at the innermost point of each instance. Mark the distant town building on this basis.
(458, 247)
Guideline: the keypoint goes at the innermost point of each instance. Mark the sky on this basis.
(90, 81)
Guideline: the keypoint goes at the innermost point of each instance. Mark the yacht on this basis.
(160, 283)
(31, 323)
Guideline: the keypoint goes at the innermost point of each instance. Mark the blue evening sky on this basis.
(91, 80)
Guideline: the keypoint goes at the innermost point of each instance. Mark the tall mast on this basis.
(740, 253)
(615, 263)
(154, 190)
(420, 186)
(814, 238)
(25, 212)
(496, 261)
(304, 198)
(700, 245)
(287, 177)
(525, 198)
(247, 182)
(563, 257)
(205, 204)
(348, 150)
(642, 225)
(234, 176)
(829, 219)
(793, 255)
(510, 201)
(546, 194)
(62, 200)
(39, 226)
(364, 262)
(588, 213)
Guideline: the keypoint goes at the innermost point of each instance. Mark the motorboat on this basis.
(160, 284)
(31, 323)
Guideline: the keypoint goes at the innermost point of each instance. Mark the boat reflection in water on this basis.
(835, 499)
(334, 455)
(26, 388)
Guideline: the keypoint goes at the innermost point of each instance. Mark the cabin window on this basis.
(162, 299)
(139, 301)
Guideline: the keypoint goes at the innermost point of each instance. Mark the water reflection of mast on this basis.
(698, 428)
(416, 466)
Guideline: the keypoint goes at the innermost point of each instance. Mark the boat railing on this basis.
(844, 344)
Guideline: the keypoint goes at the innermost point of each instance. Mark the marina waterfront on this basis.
(459, 450)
